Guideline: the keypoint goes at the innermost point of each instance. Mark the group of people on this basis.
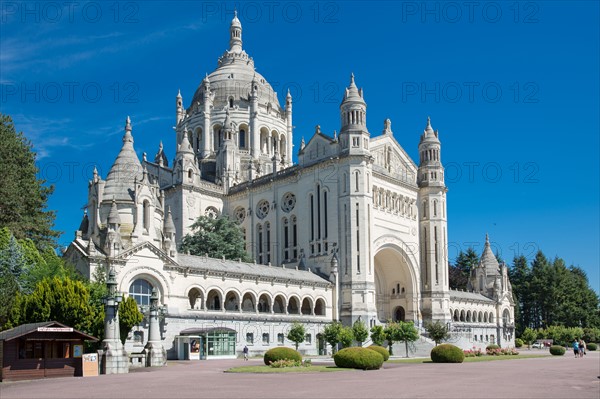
(579, 347)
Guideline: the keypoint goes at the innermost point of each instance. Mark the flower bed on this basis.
(473, 352)
(501, 351)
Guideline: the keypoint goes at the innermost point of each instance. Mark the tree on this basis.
(61, 299)
(297, 334)
(359, 329)
(458, 275)
(528, 336)
(129, 316)
(390, 335)
(377, 335)
(218, 238)
(346, 336)
(405, 331)
(437, 331)
(23, 196)
(331, 333)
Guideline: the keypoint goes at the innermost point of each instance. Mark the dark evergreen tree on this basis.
(218, 238)
(23, 196)
(458, 275)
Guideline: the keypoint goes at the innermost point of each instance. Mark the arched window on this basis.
(190, 174)
(195, 298)
(230, 102)
(506, 317)
(213, 300)
(248, 303)
(242, 138)
(320, 307)
(264, 304)
(279, 304)
(286, 240)
(146, 216)
(293, 306)
(232, 301)
(141, 291)
(306, 308)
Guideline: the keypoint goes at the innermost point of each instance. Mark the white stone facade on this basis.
(354, 230)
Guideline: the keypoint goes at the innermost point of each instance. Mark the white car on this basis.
(537, 345)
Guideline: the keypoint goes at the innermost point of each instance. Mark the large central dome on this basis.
(232, 80)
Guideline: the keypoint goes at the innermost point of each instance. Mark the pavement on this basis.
(547, 377)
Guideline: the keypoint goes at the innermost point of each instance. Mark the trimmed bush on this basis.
(381, 350)
(447, 353)
(282, 353)
(557, 350)
(492, 346)
(518, 342)
(358, 358)
(592, 346)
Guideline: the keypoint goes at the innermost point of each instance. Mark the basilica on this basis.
(355, 229)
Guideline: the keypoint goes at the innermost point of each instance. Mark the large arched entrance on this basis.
(395, 286)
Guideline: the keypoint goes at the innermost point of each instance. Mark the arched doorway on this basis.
(399, 314)
(395, 285)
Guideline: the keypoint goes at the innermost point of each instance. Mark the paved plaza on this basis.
(548, 377)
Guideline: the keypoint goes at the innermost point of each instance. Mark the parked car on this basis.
(538, 345)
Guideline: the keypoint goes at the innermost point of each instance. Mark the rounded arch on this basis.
(196, 298)
(283, 145)
(480, 317)
(264, 140)
(249, 302)
(214, 299)
(468, 319)
(485, 317)
(455, 317)
(491, 317)
(393, 267)
(462, 315)
(293, 305)
(154, 277)
(506, 317)
(320, 307)
(399, 314)
(279, 304)
(307, 306)
(232, 300)
(264, 303)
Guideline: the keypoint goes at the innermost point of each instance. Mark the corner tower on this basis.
(433, 224)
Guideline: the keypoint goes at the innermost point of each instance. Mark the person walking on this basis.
(245, 353)
(576, 347)
(581, 348)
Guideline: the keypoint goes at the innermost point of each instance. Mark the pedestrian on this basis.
(581, 348)
(576, 347)
(245, 353)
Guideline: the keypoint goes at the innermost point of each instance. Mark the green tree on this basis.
(406, 332)
(391, 334)
(129, 316)
(331, 333)
(23, 196)
(458, 275)
(346, 336)
(528, 336)
(437, 331)
(218, 238)
(297, 333)
(63, 300)
(520, 275)
(360, 331)
(377, 335)
(98, 291)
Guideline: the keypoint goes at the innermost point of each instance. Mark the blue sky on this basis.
(513, 88)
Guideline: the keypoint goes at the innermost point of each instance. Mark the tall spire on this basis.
(235, 34)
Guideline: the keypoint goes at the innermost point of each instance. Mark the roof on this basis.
(488, 259)
(25, 329)
(198, 331)
(249, 269)
(469, 296)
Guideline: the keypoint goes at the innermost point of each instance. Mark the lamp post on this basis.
(114, 358)
(156, 356)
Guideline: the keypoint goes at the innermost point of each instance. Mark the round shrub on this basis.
(358, 358)
(518, 342)
(592, 346)
(557, 350)
(281, 353)
(381, 350)
(446, 353)
(492, 346)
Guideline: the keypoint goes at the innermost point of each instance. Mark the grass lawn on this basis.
(484, 358)
(267, 369)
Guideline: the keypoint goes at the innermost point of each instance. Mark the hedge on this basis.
(492, 346)
(358, 358)
(381, 350)
(447, 353)
(518, 342)
(592, 346)
(281, 353)
(557, 350)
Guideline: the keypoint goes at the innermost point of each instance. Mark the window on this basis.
(141, 290)
(146, 216)
(265, 338)
(250, 338)
(242, 138)
(355, 141)
(220, 343)
(308, 338)
(280, 338)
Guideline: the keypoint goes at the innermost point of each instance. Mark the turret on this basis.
(290, 128)
(227, 155)
(180, 114)
(207, 99)
(433, 227)
(354, 136)
(169, 234)
(235, 35)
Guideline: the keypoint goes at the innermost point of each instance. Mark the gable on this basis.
(318, 148)
(390, 158)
